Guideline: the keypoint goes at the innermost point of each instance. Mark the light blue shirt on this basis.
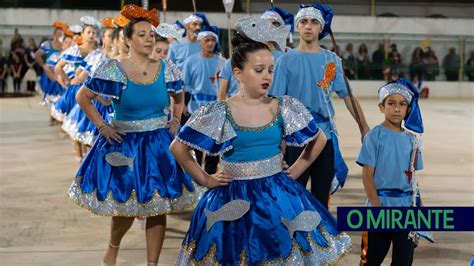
(201, 79)
(389, 153)
(227, 74)
(298, 73)
(179, 52)
(143, 101)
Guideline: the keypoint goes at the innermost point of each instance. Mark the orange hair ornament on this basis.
(60, 25)
(132, 11)
(120, 21)
(108, 23)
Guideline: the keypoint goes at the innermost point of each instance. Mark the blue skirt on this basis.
(146, 181)
(66, 103)
(260, 236)
(51, 90)
(80, 128)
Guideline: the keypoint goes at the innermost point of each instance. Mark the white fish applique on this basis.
(231, 211)
(306, 221)
(119, 159)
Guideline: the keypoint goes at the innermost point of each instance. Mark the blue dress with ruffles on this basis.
(137, 177)
(263, 216)
(67, 101)
(76, 124)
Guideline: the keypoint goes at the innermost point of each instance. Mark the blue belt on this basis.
(318, 118)
(204, 97)
(394, 193)
(340, 167)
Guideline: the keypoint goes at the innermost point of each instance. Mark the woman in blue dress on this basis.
(254, 211)
(67, 68)
(129, 171)
(80, 129)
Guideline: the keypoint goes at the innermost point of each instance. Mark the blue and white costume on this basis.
(262, 216)
(228, 75)
(76, 124)
(66, 103)
(139, 176)
(51, 89)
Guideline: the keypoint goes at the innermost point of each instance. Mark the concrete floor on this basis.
(40, 226)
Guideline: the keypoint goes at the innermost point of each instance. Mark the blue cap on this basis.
(284, 16)
(321, 12)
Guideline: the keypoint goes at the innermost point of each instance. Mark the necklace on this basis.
(144, 73)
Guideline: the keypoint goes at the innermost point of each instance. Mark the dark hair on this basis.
(158, 39)
(242, 47)
(92, 26)
(116, 33)
(128, 30)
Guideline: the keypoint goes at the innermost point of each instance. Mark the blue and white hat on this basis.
(320, 12)
(403, 87)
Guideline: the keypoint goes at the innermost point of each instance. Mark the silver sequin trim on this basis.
(395, 88)
(211, 120)
(196, 147)
(262, 30)
(111, 70)
(304, 143)
(309, 12)
(169, 31)
(94, 59)
(254, 169)
(172, 72)
(86, 138)
(140, 125)
(295, 115)
(56, 114)
(338, 247)
(157, 205)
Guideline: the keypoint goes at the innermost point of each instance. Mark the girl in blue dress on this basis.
(254, 211)
(129, 171)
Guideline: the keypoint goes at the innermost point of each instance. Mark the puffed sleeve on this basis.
(173, 77)
(45, 46)
(72, 55)
(109, 79)
(208, 130)
(299, 126)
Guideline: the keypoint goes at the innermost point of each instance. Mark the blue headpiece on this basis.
(285, 18)
(320, 12)
(413, 120)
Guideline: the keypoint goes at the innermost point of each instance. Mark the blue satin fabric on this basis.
(82, 124)
(48, 86)
(67, 101)
(105, 87)
(201, 141)
(304, 134)
(394, 193)
(72, 58)
(154, 167)
(340, 167)
(203, 97)
(260, 231)
(175, 86)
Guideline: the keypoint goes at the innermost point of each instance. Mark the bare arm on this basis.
(80, 76)
(84, 99)
(177, 105)
(307, 157)
(369, 185)
(182, 154)
(365, 126)
(58, 70)
(39, 57)
(223, 90)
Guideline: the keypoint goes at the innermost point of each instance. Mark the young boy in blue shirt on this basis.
(389, 156)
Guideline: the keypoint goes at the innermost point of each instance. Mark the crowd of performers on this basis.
(161, 122)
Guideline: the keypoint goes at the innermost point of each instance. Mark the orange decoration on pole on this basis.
(329, 75)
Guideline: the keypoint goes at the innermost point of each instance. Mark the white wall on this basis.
(438, 89)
